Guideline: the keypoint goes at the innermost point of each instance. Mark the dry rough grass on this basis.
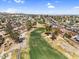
(59, 42)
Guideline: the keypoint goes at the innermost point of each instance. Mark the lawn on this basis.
(40, 49)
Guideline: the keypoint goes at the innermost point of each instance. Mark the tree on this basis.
(56, 31)
(28, 24)
(3, 20)
(8, 28)
(67, 35)
(43, 20)
(48, 29)
(53, 36)
(13, 34)
(1, 40)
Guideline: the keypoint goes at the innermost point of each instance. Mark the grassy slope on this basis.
(40, 49)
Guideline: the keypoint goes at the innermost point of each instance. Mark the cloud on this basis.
(50, 5)
(11, 10)
(19, 1)
(76, 7)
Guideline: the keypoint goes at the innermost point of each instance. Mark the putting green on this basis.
(40, 49)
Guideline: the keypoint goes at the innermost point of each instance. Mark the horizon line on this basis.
(39, 14)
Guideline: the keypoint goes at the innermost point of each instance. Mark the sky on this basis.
(53, 7)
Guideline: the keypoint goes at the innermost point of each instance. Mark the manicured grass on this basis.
(40, 49)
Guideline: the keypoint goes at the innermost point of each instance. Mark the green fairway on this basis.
(40, 49)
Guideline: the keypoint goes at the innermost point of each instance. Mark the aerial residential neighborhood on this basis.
(25, 36)
(39, 29)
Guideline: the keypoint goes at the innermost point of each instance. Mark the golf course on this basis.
(40, 49)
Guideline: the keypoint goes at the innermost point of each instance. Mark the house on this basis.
(21, 38)
(76, 37)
